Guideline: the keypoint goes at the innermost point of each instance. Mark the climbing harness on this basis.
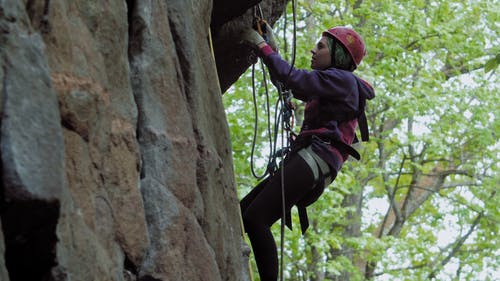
(317, 165)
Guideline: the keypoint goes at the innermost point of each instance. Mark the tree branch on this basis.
(451, 72)
(397, 211)
(413, 43)
(400, 268)
(457, 245)
(459, 184)
(460, 242)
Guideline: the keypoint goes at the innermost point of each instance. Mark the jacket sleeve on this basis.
(332, 84)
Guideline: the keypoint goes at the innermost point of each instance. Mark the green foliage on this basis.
(433, 151)
(492, 63)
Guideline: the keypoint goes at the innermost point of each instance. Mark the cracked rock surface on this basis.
(115, 151)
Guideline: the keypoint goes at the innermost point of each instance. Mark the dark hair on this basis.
(341, 58)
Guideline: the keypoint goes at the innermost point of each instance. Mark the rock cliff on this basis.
(115, 151)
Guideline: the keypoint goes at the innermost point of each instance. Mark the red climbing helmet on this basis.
(351, 41)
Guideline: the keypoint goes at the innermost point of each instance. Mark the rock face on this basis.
(115, 151)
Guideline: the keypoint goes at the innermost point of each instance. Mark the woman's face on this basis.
(321, 58)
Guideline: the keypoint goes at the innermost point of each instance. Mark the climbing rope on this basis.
(283, 201)
(283, 116)
(283, 107)
(294, 38)
(254, 96)
(285, 101)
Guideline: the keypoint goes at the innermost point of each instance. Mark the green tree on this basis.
(422, 202)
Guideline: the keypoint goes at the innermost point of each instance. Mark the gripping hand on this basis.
(252, 37)
(270, 38)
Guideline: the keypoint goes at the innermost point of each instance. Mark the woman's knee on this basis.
(253, 222)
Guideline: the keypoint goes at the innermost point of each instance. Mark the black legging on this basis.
(261, 208)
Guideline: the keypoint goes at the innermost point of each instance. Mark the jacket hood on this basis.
(365, 89)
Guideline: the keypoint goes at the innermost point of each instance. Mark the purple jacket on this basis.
(334, 100)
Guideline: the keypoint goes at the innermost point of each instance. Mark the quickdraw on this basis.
(259, 21)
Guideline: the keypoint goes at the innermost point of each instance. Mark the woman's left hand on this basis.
(252, 37)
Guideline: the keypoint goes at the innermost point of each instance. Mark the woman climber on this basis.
(335, 100)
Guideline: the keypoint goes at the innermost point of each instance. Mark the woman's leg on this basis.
(264, 210)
